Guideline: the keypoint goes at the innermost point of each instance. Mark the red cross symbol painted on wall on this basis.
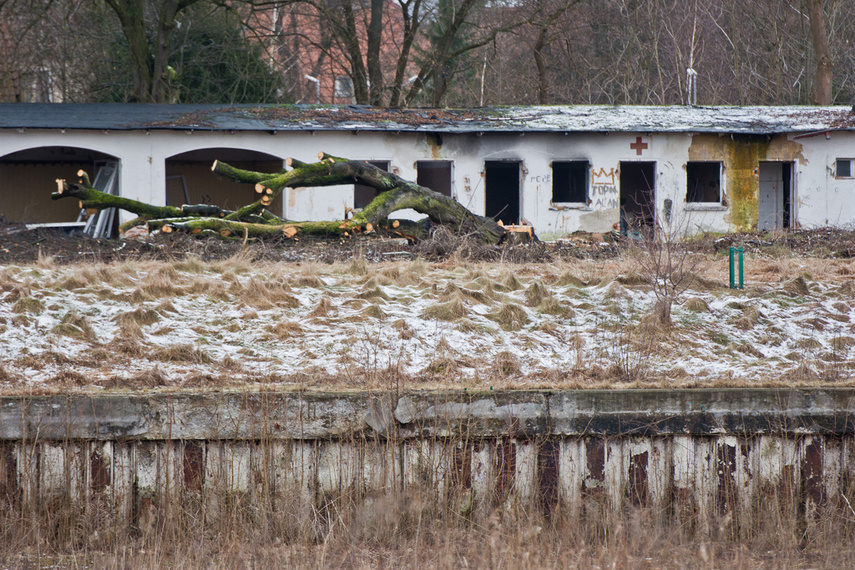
(638, 146)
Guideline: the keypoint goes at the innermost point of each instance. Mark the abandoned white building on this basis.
(559, 169)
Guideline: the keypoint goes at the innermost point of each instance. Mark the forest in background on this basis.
(411, 53)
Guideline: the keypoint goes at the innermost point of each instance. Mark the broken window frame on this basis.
(584, 166)
(850, 166)
(701, 198)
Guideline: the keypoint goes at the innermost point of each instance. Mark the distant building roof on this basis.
(577, 118)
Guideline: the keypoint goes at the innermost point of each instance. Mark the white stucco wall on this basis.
(822, 198)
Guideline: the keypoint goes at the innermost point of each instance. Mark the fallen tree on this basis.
(255, 221)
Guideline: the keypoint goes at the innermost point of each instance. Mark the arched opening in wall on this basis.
(28, 177)
(189, 179)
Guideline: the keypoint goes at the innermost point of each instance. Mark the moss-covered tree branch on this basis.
(253, 220)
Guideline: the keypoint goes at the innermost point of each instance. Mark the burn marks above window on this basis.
(570, 181)
(703, 182)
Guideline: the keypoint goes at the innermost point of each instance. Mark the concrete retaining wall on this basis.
(705, 455)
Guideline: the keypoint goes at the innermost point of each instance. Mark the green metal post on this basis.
(731, 251)
(741, 283)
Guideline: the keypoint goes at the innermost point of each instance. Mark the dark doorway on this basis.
(775, 203)
(363, 195)
(502, 183)
(637, 183)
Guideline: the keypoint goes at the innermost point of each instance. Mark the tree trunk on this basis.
(253, 220)
(822, 79)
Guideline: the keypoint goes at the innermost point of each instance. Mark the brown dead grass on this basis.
(511, 317)
(153, 378)
(499, 286)
(183, 353)
(140, 316)
(75, 326)
(448, 311)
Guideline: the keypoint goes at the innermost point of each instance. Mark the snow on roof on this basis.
(577, 118)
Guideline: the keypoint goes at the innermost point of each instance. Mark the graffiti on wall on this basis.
(604, 191)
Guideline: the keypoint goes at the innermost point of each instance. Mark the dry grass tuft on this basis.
(374, 312)
(285, 330)
(163, 282)
(153, 378)
(45, 261)
(28, 305)
(185, 353)
(75, 326)
(510, 282)
(373, 294)
(552, 306)
(452, 291)
(616, 291)
(71, 282)
(536, 293)
(7, 377)
(802, 374)
(323, 308)
(442, 368)
(69, 378)
(166, 307)
(568, 279)
(633, 280)
(357, 266)
(448, 311)
(230, 364)
(190, 264)
(310, 280)
(511, 317)
(506, 364)
(14, 288)
(139, 316)
(392, 273)
(697, 305)
(797, 286)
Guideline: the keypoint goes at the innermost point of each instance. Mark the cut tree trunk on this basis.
(254, 221)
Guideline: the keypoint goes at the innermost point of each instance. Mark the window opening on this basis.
(570, 181)
(363, 195)
(703, 182)
(435, 174)
(845, 168)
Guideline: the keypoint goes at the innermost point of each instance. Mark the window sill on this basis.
(558, 206)
(705, 208)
